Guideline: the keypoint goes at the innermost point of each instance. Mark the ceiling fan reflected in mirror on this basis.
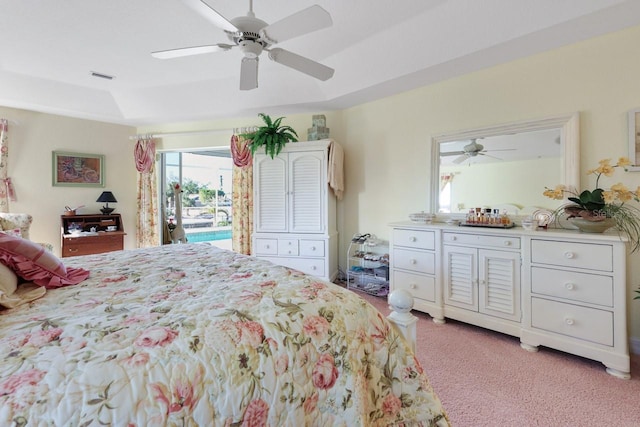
(252, 36)
(472, 149)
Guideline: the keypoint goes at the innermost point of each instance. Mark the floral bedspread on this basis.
(185, 335)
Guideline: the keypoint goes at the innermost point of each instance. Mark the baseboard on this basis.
(635, 345)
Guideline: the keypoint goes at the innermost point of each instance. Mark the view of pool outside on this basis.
(220, 236)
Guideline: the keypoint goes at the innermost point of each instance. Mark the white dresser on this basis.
(295, 210)
(556, 288)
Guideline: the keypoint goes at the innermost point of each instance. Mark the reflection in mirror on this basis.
(505, 167)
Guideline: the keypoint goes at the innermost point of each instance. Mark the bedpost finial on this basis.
(400, 301)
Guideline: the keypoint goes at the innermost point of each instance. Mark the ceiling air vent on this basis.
(102, 75)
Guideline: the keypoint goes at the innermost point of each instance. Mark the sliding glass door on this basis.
(206, 182)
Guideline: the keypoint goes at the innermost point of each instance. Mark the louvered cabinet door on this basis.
(499, 284)
(307, 187)
(460, 277)
(270, 194)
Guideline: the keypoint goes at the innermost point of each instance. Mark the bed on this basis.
(185, 335)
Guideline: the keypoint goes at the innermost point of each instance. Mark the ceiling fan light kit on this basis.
(252, 35)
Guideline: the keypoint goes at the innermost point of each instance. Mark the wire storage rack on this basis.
(368, 265)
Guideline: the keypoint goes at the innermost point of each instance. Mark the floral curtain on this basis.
(146, 227)
(445, 179)
(242, 202)
(7, 192)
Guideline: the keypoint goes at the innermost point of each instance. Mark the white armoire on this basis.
(294, 219)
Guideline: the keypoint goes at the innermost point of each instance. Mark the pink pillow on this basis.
(33, 263)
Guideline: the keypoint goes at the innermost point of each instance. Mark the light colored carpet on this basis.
(484, 378)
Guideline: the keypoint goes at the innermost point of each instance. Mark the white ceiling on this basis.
(48, 48)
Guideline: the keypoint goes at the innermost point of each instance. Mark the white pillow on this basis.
(8, 280)
(12, 295)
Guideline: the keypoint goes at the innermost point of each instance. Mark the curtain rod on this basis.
(196, 132)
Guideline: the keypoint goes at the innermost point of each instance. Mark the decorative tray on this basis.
(471, 224)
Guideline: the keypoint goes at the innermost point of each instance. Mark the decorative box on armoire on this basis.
(295, 210)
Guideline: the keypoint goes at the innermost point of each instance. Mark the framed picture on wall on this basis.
(78, 169)
(634, 139)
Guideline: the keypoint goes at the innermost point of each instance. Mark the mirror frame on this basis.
(569, 125)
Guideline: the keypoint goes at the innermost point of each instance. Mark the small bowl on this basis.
(530, 224)
(421, 217)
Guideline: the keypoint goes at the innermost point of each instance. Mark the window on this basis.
(205, 177)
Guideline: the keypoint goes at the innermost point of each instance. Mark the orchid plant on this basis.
(599, 204)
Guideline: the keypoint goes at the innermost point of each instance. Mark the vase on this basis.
(587, 226)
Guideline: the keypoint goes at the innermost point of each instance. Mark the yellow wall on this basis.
(386, 142)
(32, 138)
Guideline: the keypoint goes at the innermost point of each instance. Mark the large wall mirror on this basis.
(505, 166)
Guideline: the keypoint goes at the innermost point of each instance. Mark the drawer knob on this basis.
(412, 239)
(313, 267)
(568, 321)
(454, 238)
(413, 261)
(569, 255)
(313, 248)
(413, 286)
(266, 246)
(570, 286)
(507, 242)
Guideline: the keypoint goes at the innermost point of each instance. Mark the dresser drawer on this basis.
(420, 262)
(266, 247)
(588, 324)
(288, 247)
(312, 248)
(90, 245)
(482, 240)
(314, 267)
(419, 239)
(423, 287)
(570, 254)
(582, 287)
(311, 266)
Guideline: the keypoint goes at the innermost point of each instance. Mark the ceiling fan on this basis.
(471, 150)
(252, 36)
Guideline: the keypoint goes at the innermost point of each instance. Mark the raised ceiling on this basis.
(48, 50)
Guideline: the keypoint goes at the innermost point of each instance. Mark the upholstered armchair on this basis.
(10, 222)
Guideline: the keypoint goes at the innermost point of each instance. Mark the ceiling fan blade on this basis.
(188, 51)
(306, 21)
(249, 73)
(452, 153)
(211, 14)
(302, 64)
(489, 155)
(460, 159)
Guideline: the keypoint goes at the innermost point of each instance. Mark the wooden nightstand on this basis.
(89, 242)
